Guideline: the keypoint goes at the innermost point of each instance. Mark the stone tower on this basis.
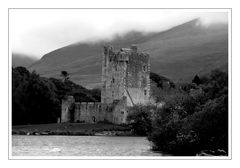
(126, 82)
(125, 75)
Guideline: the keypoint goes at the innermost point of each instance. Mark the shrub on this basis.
(140, 119)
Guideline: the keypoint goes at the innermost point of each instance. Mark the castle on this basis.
(125, 83)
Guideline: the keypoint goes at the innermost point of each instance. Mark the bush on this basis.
(140, 119)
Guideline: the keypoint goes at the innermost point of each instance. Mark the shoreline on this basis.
(73, 129)
(105, 133)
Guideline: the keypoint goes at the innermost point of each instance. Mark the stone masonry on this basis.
(125, 82)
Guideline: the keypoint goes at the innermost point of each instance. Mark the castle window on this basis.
(144, 68)
(113, 80)
(122, 112)
(112, 93)
(145, 92)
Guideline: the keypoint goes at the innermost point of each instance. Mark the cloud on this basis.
(38, 31)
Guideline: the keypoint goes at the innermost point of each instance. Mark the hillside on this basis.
(178, 53)
(22, 60)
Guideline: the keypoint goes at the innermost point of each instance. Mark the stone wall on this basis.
(120, 111)
(67, 108)
(138, 79)
(93, 112)
(113, 75)
(125, 73)
(89, 112)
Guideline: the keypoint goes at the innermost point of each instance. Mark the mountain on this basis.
(178, 53)
(22, 60)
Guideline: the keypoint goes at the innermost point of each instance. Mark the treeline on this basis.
(160, 80)
(190, 119)
(37, 100)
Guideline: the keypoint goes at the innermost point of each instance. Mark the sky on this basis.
(35, 32)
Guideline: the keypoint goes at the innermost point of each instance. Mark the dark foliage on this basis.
(160, 80)
(140, 119)
(65, 75)
(196, 80)
(33, 98)
(193, 120)
(96, 94)
(37, 100)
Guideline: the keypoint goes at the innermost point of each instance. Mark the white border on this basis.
(133, 157)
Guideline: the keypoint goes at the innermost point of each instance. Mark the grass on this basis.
(67, 129)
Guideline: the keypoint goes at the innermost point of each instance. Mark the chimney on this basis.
(133, 48)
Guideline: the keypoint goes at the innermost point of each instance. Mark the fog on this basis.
(35, 32)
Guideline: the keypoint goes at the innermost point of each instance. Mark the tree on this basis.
(96, 94)
(42, 105)
(196, 80)
(20, 77)
(190, 123)
(65, 75)
(34, 100)
(140, 119)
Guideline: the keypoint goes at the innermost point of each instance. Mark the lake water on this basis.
(80, 146)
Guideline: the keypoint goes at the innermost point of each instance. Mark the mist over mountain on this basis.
(178, 53)
(22, 60)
